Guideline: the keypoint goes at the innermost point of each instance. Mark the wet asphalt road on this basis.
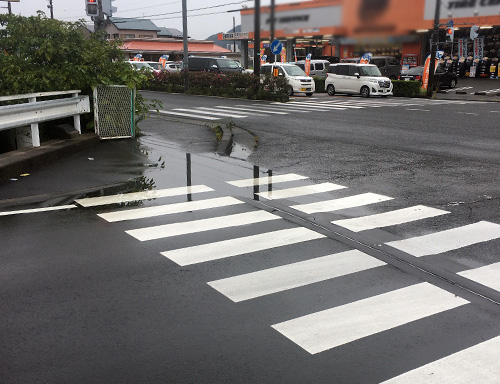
(84, 301)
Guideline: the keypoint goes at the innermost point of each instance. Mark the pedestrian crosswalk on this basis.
(325, 329)
(295, 106)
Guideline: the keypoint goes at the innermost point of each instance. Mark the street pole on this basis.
(185, 61)
(256, 39)
(234, 34)
(51, 9)
(272, 20)
(9, 8)
(434, 43)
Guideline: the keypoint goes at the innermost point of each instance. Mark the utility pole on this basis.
(185, 61)
(272, 21)
(434, 43)
(51, 7)
(9, 8)
(234, 34)
(256, 39)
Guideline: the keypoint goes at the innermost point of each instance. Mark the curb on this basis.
(26, 159)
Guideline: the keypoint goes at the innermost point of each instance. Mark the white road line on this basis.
(387, 219)
(240, 246)
(282, 107)
(448, 240)
(250, 109)
(144, 195)
(489, 275)
(300, 191)
(477, 364)
(184, 228)
(267, 180)
(278, 279)
(342, 203)
(35, 210)
(168, 209)
(235, 110)
(330, 328)
(186, 115)
(418, 109)
(210, 113)
(312, 107)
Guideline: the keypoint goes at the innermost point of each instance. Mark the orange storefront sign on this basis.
(382, 17)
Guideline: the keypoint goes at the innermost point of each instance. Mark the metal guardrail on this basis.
(34, 112)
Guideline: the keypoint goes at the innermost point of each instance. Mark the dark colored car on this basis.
(442, 77)
(213, 64)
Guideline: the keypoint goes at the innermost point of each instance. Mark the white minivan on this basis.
(363, 79)
(295, 76)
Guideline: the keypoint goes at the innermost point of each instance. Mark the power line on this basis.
(197, 9)
(177, 17)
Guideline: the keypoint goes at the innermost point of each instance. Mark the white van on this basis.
(317, 68)
(295, 76)
(363, 79)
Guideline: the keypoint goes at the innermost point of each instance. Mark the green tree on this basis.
(39, 54)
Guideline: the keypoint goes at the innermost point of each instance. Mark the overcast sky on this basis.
(164, 13)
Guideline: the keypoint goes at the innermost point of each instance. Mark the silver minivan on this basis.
(318, 67)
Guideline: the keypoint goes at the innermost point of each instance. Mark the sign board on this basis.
(366, 58)
(276, 47)
(235, 36)
(462, 8)
(12, 1)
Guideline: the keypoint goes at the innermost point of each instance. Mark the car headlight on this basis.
(375, 81)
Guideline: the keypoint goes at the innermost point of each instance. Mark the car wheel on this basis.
(453, 83)
(365, 91)
(330, 89)
(309, 94)
(290, 91)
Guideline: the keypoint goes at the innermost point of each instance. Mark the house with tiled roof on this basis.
(131, 28)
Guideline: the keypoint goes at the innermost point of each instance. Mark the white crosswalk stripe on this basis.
(278, 279)
(387, 219)
(211, 112)
(477, 364)
(448, 240)
(300, 191)
(144, 195)
(342, 203)
(251, 109)
(193, 115)
(178, 229)
(267, 180)
(168, 209)
(489, 275)
(240, 246)
(333, 327)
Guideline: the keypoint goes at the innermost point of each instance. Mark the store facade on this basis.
(341, 29)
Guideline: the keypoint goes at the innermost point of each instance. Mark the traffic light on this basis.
(450, 32)
(92, 7)
(107, 9)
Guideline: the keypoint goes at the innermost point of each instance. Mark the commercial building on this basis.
(341, 29)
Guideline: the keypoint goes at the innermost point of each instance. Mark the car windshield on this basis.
(369, 71)
(293, 70)
(414, 71)
(138, 64)
(156, 65)
(227, 63)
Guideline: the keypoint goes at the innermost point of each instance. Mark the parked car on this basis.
(388, 66)
(153, 66)
(295, 76)
(317, 68)
(442, 78)
(213, 64)
(172, 66)
(363, 79)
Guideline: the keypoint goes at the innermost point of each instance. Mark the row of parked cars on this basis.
(349, 76)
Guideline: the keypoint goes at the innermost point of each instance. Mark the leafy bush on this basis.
(236, 84)
(39, 54)
(406, 88)
(320, 84)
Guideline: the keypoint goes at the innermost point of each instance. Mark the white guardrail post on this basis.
(35, 134)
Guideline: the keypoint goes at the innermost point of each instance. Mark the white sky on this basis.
(199, 27)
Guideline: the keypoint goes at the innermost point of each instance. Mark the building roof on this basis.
(136, 24)
(169, 32)
(158, 46)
